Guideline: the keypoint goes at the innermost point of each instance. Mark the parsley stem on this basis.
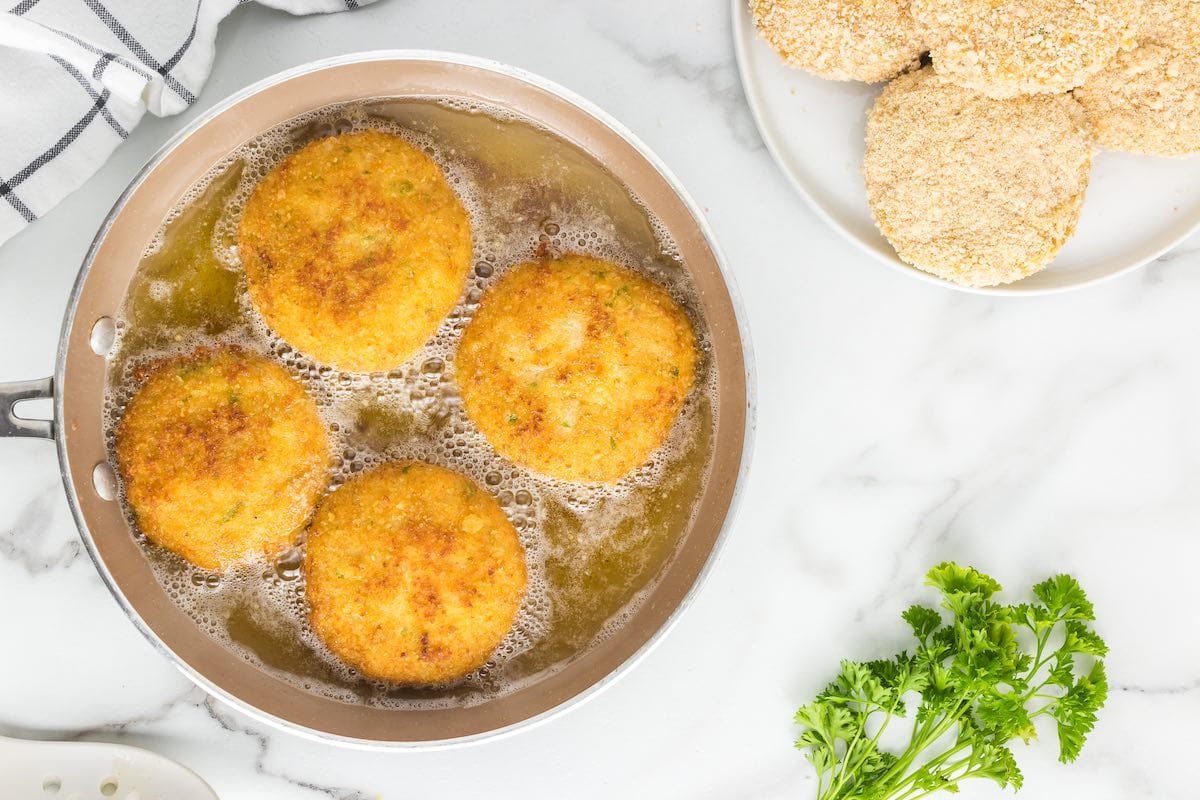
(930, 731)
(840, 777)
(847, 768)
(931, 764)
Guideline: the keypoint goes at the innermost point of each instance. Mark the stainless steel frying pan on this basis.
(77, 389)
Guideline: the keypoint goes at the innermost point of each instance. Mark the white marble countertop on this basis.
(900, 425)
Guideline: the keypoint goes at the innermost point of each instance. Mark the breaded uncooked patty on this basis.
(222, 457)
(1005, 49)
(975, 190)
(413, 573)
(1147, 100)
(355, 249)
(845, 40)
(576, 367)
(1170, 18)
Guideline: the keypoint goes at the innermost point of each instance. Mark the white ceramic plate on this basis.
(1137, 207)
(93, 771)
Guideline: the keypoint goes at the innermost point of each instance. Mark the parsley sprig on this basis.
(978, 682)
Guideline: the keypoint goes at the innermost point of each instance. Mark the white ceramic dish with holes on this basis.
(1137, 207)
(93, 771)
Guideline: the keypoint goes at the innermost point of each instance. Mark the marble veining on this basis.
(28, 541)
(713, 74)
(234, 724)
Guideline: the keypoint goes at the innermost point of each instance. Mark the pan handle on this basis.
(13, 393)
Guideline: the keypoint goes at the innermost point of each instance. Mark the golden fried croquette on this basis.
(222, 457)
(355, 249)
(413, 573)
(845, 40)
(1005, 49)
(1147, 100)
(576, 367)
(975, 190)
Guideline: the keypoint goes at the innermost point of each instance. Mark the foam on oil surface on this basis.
(413, 412)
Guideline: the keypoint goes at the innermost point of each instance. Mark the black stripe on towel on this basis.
(101, 98)
(101, 64)
(15, 202)
(138, 49)
(187, 42)
(104, 54)
(8, 187)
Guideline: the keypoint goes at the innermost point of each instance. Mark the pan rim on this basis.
(743, 467)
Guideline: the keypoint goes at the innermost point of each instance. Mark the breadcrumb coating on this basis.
(1005, 49)
(355, 249)
(1147, 100)
(972, 189)
(576, 367)
(222, 456)
(1170, 19)
(413, 573)
(845, 40)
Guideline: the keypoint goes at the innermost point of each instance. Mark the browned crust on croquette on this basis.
(576, 367)
(841, 39)
(414, 574)
(222, 456)
(1024, 46)
(355, 248)
(1147, 100)
(975, 190)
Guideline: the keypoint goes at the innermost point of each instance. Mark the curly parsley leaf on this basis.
(924, 621)
(1075, 712)
(979, 687)
(1064, 598)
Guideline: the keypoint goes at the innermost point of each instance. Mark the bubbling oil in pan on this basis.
(592, 551)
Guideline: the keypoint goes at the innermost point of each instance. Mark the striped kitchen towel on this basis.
(77, 75)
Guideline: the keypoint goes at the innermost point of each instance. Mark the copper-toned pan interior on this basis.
(102, 289)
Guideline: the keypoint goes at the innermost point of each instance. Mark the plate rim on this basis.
(744, 34)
